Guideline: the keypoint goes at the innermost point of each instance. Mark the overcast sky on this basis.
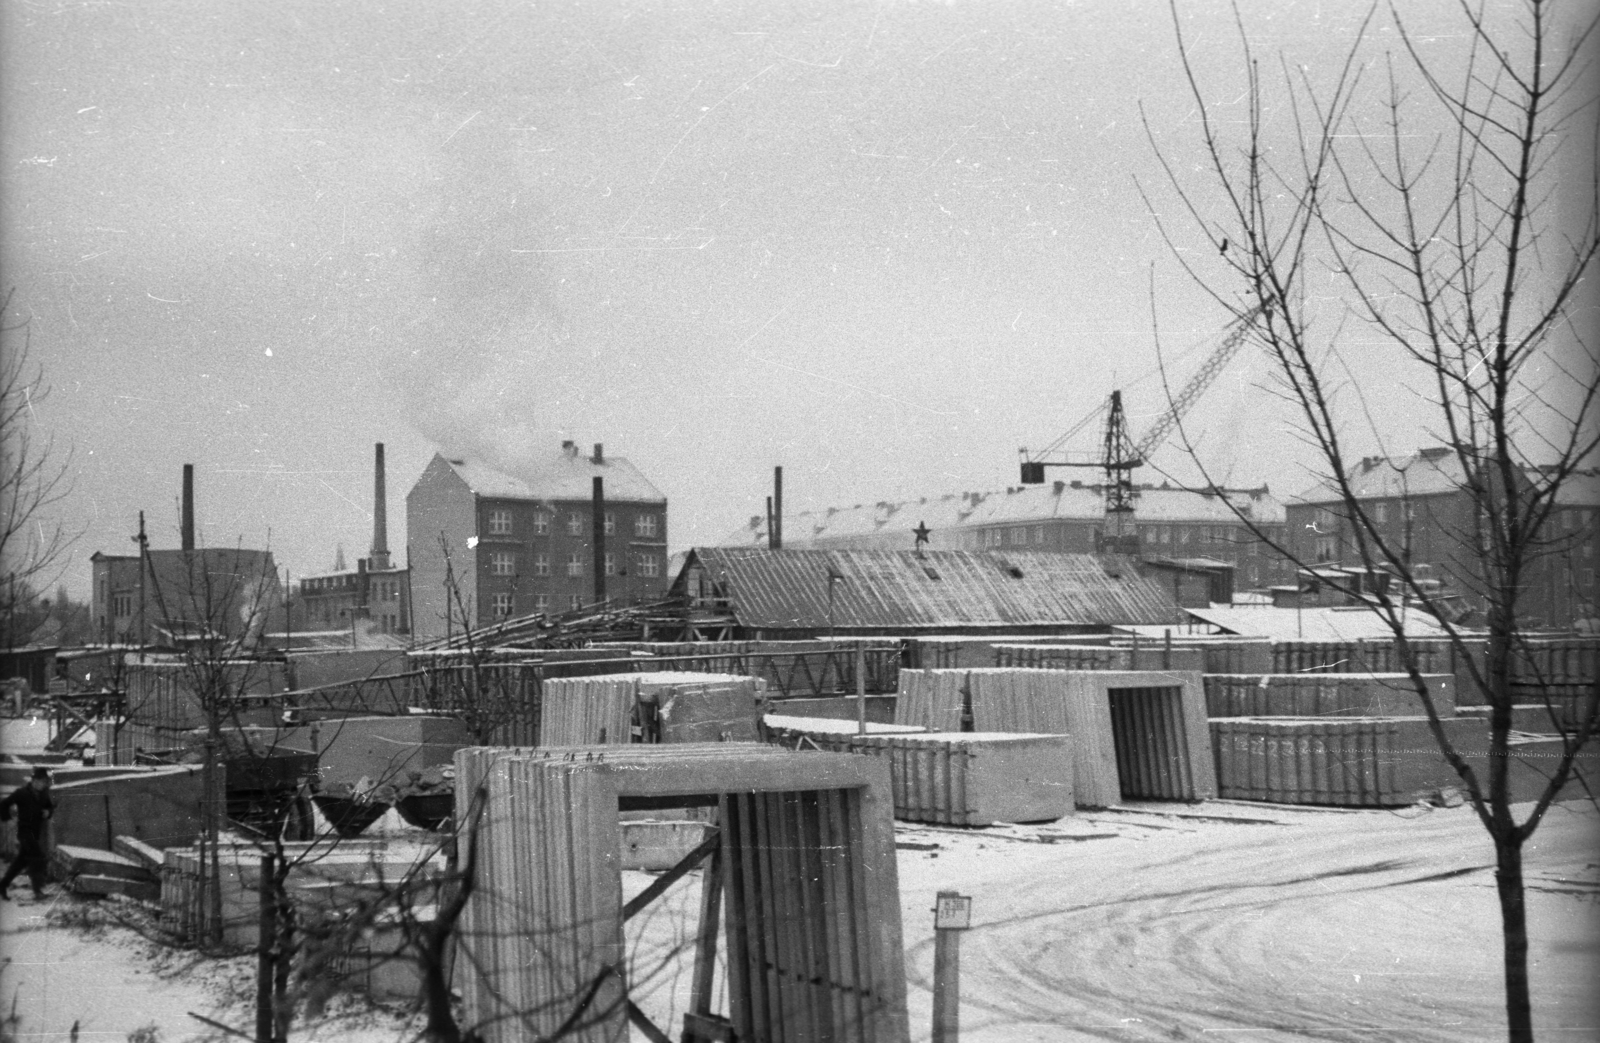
(881, 244)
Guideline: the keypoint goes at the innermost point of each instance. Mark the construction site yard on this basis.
(1220, 921)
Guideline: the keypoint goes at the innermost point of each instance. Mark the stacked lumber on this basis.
(1325, 695)
(1135, 734)
(605, 710)
(805, 857)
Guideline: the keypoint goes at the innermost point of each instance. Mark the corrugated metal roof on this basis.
(788, 589)
(559, 476)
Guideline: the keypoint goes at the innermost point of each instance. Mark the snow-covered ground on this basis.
(1221, 921)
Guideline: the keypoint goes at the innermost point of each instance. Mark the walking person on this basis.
(34, 807)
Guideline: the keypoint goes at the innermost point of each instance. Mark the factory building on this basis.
(376, 590)
(568, 532)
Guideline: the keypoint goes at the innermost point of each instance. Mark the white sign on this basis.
(953, 912)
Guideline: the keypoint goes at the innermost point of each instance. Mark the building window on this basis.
(1183, 535)
(611, 564)
(1038, 534)
(1380, 513)
(499, 522)
(541, 564)
(575, 524)
(1588, 577)
(576, 602)
(611, 524)
(645, 525)
(649, 565)
(575, 564)
(502, 604)
(541, 523)
(124, 605)
(541, 602)
(503, 564)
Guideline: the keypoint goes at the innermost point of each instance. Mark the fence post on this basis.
(952, 914)
(861, 689)
(267, 937)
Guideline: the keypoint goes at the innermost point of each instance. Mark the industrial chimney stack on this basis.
(380, 516)
(187, 520)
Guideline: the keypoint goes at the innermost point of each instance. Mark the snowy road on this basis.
(1331, 926)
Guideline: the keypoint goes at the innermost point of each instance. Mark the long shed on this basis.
(812, 593)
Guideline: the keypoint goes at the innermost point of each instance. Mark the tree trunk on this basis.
(1514, 920)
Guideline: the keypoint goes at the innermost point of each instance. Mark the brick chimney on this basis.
(186, 522)
(380, 515)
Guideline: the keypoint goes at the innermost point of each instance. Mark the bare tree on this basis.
(1438, 230)
(35, 476)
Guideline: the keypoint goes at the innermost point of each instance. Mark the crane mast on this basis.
(1120, 455)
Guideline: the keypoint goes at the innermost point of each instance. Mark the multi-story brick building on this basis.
(1425, 515)
(1172, 522)
(484, 545)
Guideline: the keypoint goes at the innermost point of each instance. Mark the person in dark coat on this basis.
(33, 807)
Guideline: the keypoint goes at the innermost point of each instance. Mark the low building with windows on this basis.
(485, 546)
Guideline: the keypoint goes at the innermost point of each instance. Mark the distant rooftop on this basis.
(563, 474)
(1018, 505)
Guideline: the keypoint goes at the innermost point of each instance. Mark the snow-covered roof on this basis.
(559, 475)
(1427, 472)
(1313, 624)
(1020, 505)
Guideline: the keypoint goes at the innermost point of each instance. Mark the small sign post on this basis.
(952, 914)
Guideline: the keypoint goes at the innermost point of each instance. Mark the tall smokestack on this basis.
(380, 515)
(187, 521)
(777, 508)
(599, 537)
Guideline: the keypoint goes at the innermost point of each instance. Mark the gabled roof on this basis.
(789, 589)
(557, 476)
(1427, 472)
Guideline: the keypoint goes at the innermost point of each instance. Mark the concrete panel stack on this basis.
(931, 699)
(806, 860)
(953, 778)
(1136, 734)
(329, 873)
(1147, 656)
(1325, 695)
(976, 778)
(1292, 761)
(580, 711)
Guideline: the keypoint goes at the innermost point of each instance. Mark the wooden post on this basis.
(267, 939)
(861, 689)
(1166, 649)
(952, 914)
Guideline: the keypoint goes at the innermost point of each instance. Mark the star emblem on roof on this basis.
(921, 532)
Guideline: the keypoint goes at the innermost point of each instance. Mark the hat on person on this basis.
(41, 772)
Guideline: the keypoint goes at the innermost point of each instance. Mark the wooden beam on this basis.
(671, 876)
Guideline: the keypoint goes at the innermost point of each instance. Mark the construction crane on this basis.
(1120, 455)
